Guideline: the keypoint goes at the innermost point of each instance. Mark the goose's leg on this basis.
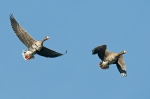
(101, 64)
(103, 67)
(106, 67)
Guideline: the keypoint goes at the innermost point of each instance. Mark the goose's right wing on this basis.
(100, 50)
(21, 33)
(49, 53)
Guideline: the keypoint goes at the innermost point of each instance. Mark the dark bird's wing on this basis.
(100, 50)
(21, 33)
(48, 53)
(121, 66)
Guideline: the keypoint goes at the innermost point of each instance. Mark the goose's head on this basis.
(123, 52)
(45, 38)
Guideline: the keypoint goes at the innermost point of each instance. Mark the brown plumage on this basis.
(34, 46)
(22, 34)
(109, 58)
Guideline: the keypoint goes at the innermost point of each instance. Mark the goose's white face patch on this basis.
(47, 37)
(124, 52)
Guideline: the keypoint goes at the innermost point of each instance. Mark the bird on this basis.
(34, 46)
(109, 58)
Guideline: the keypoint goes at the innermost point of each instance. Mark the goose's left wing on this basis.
(22, 34)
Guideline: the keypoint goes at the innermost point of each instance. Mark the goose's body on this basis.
(34, 46)
(109, 58)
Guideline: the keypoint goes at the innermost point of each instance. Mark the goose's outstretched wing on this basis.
(121, 66)
(21, 33)
(100, 50)
(48, 53)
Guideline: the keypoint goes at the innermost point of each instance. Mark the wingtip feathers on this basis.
(124, 74)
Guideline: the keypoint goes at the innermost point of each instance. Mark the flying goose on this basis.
(34, 46)
(109, 58)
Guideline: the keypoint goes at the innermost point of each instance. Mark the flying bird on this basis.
(109, 58)
(34, 46)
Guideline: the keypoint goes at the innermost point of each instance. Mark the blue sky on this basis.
(77, 26)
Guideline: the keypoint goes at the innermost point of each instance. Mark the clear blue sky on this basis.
(77, 26)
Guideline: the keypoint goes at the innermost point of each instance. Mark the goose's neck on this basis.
(123, 52)
(46, 38)
(43, 40)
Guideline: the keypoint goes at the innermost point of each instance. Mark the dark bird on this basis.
(109, 58)
(34, 46)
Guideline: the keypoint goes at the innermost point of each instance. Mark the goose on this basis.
(34, 46)
(109, 58)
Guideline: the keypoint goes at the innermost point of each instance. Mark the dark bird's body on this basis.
(34, 47)
(109, 58)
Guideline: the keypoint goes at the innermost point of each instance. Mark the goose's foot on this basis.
(27, 57)
(101, 64)
(103, 67)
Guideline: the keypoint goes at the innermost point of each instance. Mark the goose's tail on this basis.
(27, 55)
